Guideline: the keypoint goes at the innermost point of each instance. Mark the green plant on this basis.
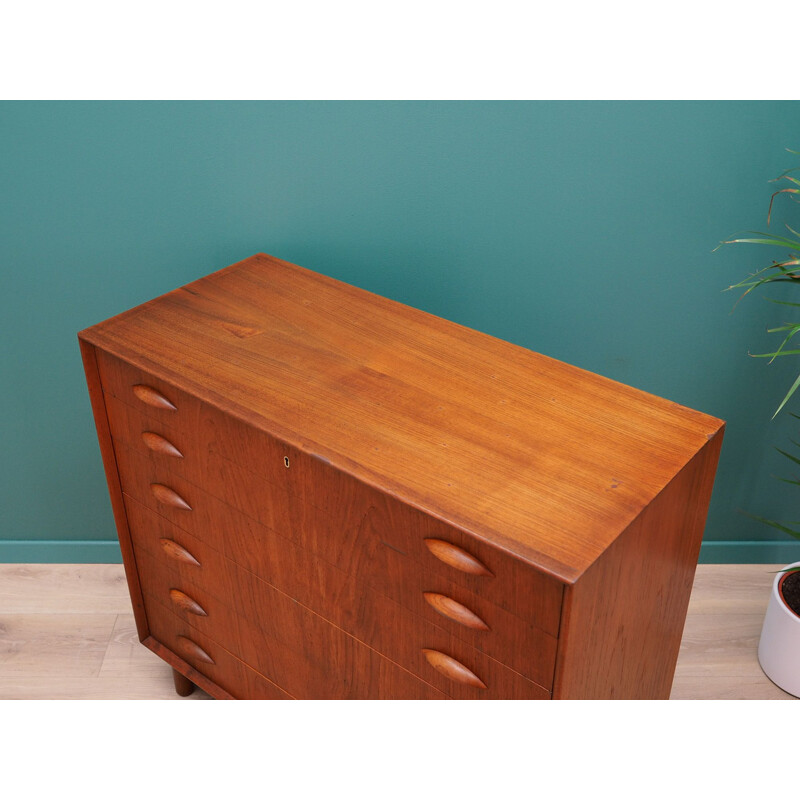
(785, 271)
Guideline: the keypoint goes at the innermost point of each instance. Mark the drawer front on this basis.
(233, 605)
(220, 524)
(315, 505)
(192, 420)
(207, 657)
(328, 502)
(297, 650)
(178, 453)
(337, 595)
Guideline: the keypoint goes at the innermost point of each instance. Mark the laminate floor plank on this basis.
(53, 645)
(133, 687)
(720, 645)
(718, 658)
(732, 588)
(722, 688)
(63, 589)
(67, 632)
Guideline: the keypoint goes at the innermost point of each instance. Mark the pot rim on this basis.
(776, 590)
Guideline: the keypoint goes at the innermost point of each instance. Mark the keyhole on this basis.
(286, 462)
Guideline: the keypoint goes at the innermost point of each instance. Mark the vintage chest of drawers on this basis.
(321, 493)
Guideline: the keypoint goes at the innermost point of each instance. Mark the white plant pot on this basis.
(779, 647)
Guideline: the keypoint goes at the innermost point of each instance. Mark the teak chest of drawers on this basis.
(321, 493)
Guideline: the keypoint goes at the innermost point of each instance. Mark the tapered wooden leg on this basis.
(183, 686)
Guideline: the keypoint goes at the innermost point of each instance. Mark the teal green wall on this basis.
(582, 230)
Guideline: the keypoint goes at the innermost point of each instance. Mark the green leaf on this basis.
(776, 354)
(782, 302)
(780, 191)
(789, 394)
(789, 456)
(779, 241)
(774, 524)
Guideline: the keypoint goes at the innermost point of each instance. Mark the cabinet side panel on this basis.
(623, 619)
(88, 354)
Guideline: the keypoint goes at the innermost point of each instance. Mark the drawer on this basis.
(299, 651)
(260, 548)
(327, 502)
(177, 453)
(240, 606)
(192, 420)
(207, 657)
(323, 504)
(330, 592)
(349, 536)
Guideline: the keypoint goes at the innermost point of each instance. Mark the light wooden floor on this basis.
(67, 631)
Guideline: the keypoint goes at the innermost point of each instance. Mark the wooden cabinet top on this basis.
(542, 459)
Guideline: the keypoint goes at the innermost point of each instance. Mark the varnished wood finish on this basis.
(378, 500)
(183, 686)
(273, 634)
(454, 610)
(452, 669)
(349, 599)
(178, 552)
(360, 672)
(159, 444)
(351, 537)
(623, 622)
(152, 397)
(427, 410)
(189, 648)
(186, 603)
(317, 507)
(457, 557)
(227, 678)
(168, 496)
(89, 357)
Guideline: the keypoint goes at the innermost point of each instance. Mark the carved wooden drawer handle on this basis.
(158, 444)
(193, 650)
(147, 394)
(186, 603)
(456, 557)
(178, 552)
(453, 669)
(168, 497)
(452, 609)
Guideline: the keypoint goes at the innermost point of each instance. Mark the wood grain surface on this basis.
(557, 462)
(339, 595)
(295, 647)
(623, 621)
(351, 498)
(317, 507)
(89, 358)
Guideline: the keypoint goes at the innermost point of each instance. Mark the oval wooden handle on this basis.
(168, 497)
(193, 650)
(452, 609)
(453, 669)
(178, 552)
(148, 395)
(158, 444)
(456, 557)
(186, 603)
